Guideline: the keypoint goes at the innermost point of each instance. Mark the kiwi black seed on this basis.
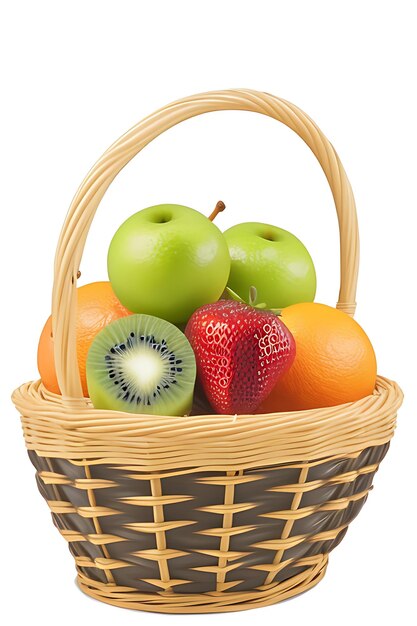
(141, 364)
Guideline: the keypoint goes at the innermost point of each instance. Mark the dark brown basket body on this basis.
(196, 532)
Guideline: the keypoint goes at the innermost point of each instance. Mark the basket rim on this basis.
(70, 428)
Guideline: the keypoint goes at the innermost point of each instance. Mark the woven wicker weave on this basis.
(203, 513)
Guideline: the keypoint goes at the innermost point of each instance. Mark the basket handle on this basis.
(83, 207)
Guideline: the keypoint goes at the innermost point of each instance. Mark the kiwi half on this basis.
(141, 364)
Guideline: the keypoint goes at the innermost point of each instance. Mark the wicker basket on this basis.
(204, 513)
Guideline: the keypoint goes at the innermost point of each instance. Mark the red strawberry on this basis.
(241, 352)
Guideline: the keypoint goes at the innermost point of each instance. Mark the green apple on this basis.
(272, 260)
(168, 260)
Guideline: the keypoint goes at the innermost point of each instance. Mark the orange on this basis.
(334, 363)
(97, 306)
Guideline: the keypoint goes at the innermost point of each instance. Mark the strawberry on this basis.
(241, 352)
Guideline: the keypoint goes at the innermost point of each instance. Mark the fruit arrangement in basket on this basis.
(194, 320)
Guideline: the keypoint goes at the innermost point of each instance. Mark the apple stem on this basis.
(220, 206)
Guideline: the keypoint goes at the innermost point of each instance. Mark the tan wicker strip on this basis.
(288, 526)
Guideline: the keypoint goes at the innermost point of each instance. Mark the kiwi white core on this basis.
(143, 368)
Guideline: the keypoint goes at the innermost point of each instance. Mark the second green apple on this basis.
(274, 261)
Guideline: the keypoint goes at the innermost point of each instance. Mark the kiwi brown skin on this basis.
(141, 364)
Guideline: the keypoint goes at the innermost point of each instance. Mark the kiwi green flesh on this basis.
(141, 364)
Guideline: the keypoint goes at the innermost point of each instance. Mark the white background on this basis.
(76, 75)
